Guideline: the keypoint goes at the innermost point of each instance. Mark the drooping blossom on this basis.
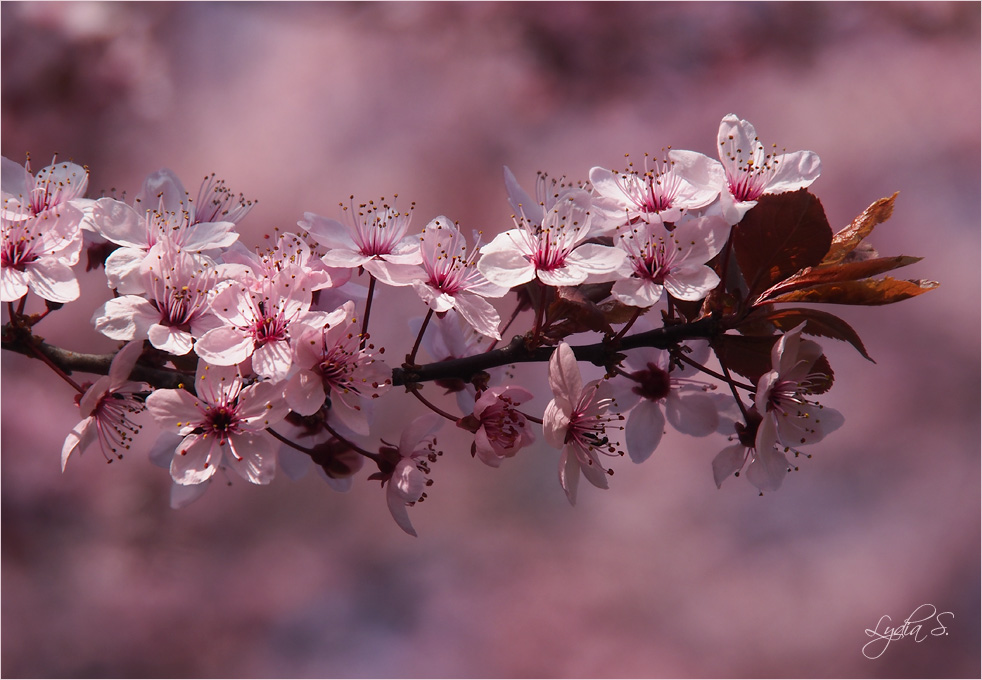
(548, 244)
(408, 466)
(334, 367)
(38, 254)
(256, 318)
(452, 281)
(223, 424)
(374, 238)
(659, 260)
(782, 418)
(662, 189)
(176, 306)
(499, 428)
(789, 418)
(107, 408)
(26, 195)
(751, 171)
(655, 392)
(576, 422)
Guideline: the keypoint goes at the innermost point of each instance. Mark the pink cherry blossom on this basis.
(223, 424)
(659, 390)
(333, 366)
(500, 429)
(752, 171)
(175, 308)
(107, 407)
(257, 316)
(790, 419)
(659, 259)
(408, 479)
(374, 238)
(575, 421)
(548, 244)
(452, 281)
(685, 180)
(26, 195)
(38, 253)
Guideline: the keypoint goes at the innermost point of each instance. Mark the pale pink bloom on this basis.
(789, 418)
(685, 180)
(374, 238)
(452, 281)
(163, 191)
(659, 259)
(175, 308)
(38, 254)
(659, 390)
(26, 195)
(334, 367)
(752, 171)
(224, 424)
(767, 469)
(257, 317)
(162, 454)
(548, 244)
(453, 338)
(289, 250)
(408, 480)
(107, 407)
(163, 210)
(501, 429)
(576, 422)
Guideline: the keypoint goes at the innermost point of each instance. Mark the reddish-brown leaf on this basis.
(866, 292)
(846, 240)
(818, 323)
(846, 271)
(780, 236)
(746, 355)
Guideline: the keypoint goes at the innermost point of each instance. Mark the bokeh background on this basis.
(300, 105)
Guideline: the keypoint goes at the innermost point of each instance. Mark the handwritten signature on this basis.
(913, 626)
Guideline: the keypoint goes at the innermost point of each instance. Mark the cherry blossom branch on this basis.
(517, 352)
(98, 364)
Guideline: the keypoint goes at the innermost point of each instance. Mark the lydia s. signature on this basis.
(913, 626)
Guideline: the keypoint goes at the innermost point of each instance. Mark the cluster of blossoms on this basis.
(239, 356)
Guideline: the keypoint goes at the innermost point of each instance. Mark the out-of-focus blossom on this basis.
(107, 407)
(548, 244)
(256, 320)
(659, 259)
(576, 422)
(223, 424)
(175, 308)
(332, 366)
(660, 390)
(408, 478)
(751, 171)
(662, 190)
(499, 428)
(375, 238)
(452, 281)
(288, 250)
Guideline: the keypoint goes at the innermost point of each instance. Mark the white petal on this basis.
(13, 284)
(506, 268)
(692, 414)
(196, 460)
(728, 462)
(480, 314)
(169, 339)
(52, 280)
(224, 346)
(768, 469)
(125, 318)
(564, 377)
(305, 393)
(253, 456)
(795, 170)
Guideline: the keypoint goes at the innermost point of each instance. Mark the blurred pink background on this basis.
(300, 105)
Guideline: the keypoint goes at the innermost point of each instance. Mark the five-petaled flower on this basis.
(752, 171)
(576, 422)
(407, 466)
(223, 423)
(499, 428)
(107, 407)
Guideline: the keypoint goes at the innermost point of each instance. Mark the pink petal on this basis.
(196, 460)
(253, 456)
(224, 346)
(728, 462)
(644, 429)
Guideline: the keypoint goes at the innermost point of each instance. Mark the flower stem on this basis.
(433, 407)
(695, 364)
(622, 332)
(733, 389)
(419, 338)
(368, 310)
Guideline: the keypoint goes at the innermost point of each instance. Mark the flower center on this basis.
(222, 421)
(653, 383)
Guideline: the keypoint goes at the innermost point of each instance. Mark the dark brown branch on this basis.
(18, 341)
(516, 352)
